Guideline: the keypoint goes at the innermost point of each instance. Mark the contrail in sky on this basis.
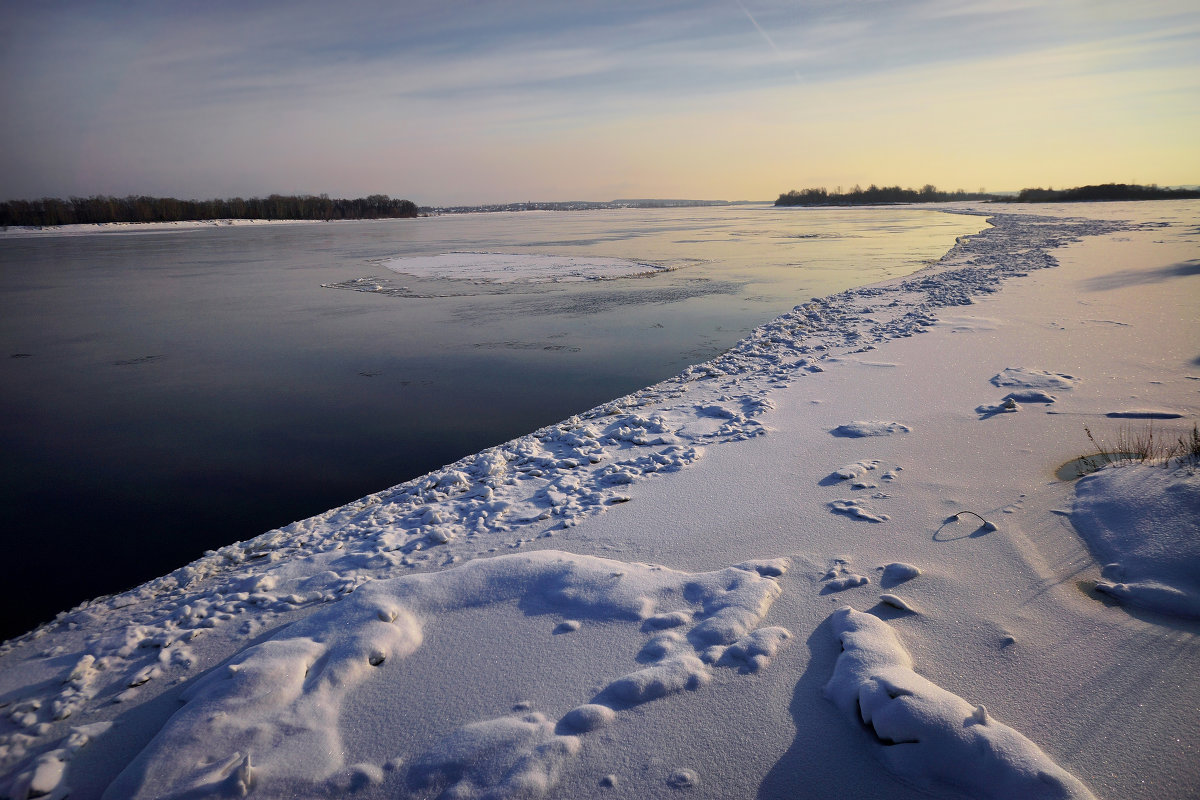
(758, 27)
(765, 35)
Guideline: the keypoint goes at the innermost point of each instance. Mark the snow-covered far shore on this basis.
(81, 229)
(834, 561)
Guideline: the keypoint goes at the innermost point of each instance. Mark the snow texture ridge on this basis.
(927, 734)
(271, 719)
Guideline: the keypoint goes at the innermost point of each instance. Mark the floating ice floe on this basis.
(928, 735)
(525, 268)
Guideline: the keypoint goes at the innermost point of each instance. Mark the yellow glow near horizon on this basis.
(980, 126)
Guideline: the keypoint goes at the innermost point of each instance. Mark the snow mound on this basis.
(1025, 378)
(1143, 523)
(860, 429)
(898, 572)
(272, 718)
(927, 734)
(897, 602)
(509, 268)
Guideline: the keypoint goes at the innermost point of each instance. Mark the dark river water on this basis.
(169, 392)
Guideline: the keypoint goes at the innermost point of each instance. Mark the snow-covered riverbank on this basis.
(81, 229)
(644, 599)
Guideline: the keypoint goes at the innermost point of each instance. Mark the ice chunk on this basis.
(588, 717)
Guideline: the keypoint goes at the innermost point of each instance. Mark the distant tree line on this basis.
(574, 205)
(1105, 191)
(99, 208)
(875, 195)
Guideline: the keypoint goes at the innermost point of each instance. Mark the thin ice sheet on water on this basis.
(523, 268)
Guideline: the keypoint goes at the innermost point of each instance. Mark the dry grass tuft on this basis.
(1143, 446)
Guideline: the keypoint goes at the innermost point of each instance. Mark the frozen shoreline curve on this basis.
(641, 599)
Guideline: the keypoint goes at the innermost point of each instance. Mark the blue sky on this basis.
(458, 102)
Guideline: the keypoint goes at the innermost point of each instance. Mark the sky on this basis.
(459, 102)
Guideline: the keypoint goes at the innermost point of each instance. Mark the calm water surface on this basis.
(167, 393)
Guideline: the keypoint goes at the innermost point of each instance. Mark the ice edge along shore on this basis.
(551, 478)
